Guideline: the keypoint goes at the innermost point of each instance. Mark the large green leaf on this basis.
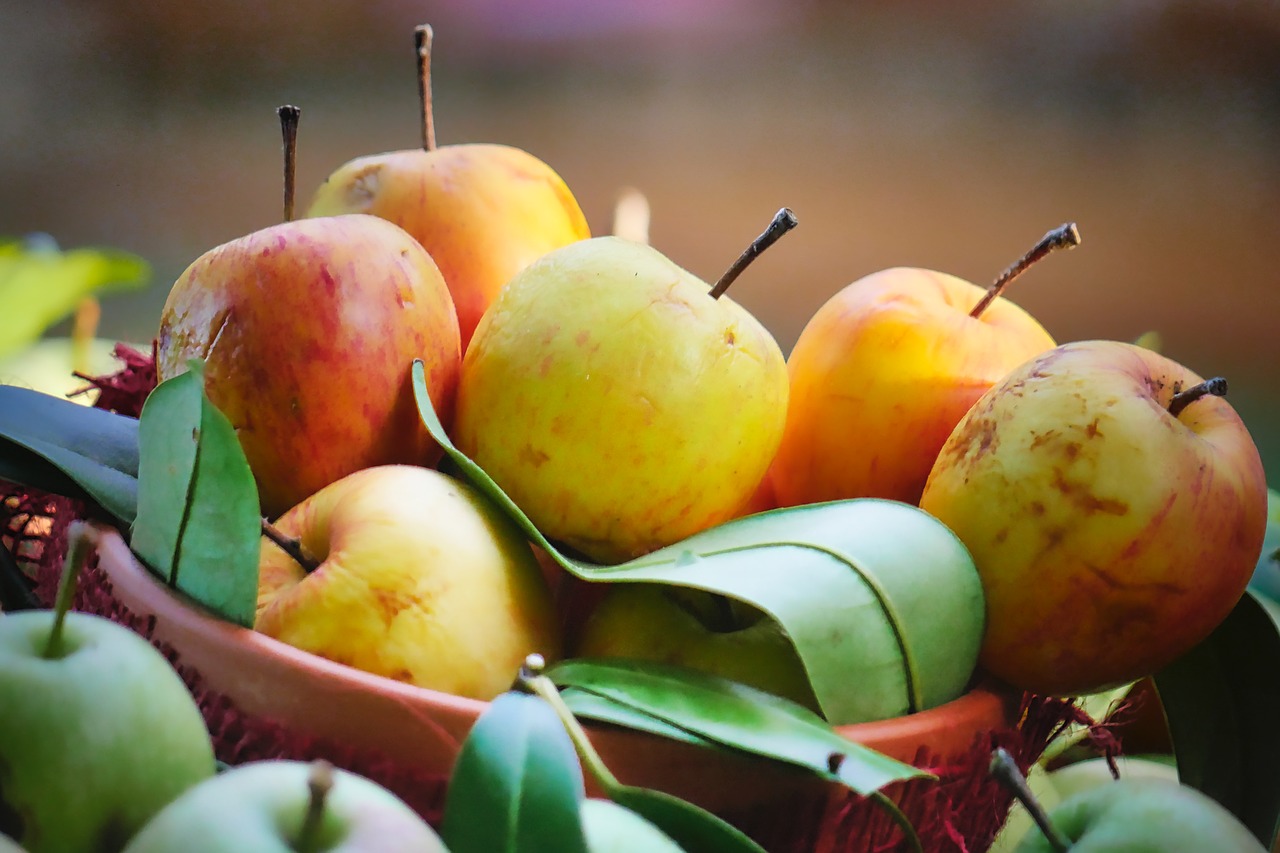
(881, 601)
(198, 521)
(516, 785)
(1266, 575)
(729, 714)
(61, 447)
(1222, 702)
(39, 285)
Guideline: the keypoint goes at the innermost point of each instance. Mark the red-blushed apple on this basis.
(621, 402)
(1115, 507)
(883, 371)
(483, 211)
(417, 578)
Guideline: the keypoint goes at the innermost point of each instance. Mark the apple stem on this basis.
(292, 547)
(422, 41)
(289, 116)
(1215, 387)
(533, 681)
(319, 784)
(1063, 237)
(631, 216)
(1006, 772)
(783, 221)
(80, 542)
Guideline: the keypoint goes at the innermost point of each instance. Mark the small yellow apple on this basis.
(419, 579)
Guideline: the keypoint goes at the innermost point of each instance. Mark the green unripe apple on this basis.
(611, 828)
(285, 806)
(95, 737)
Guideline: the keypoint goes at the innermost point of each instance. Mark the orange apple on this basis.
(483, 211)
(1114, 509)
(412, 575)
(883, 371)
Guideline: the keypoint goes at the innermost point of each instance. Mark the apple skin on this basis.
(617, 403)
(1143, 815)
(666, 625)
(1110, 536)
(95, 741)
(422, 580)
(308, 330)
(881, 374)
(611, 828)
(483, 211)
(49, 366)
(260, 806)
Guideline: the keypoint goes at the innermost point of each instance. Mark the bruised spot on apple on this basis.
(420, 579)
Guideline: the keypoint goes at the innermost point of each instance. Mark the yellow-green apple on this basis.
(483, 211)
(618, 401)
(882, 372)
(97, 731)
(611, 828)
(281, 806)
(1114, 505)
(699, 630)
(50, 365)
(413, 575)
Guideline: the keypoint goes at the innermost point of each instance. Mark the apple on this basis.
(698, 630)
(483, 211)
(618, 400)
(50, 365)
(308, 330)
(885, 369)
(97, 731)
(1114, 506)
(412, 575)
(611, 828)
(279, 806)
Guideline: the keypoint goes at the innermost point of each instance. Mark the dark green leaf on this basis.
(731, 715)
(694, 829)
(62, 447)
(39, 285)
(517, 785)
(1266, 576)
(1222, 701)
(587, 705)
(198, 521)
(881, 601)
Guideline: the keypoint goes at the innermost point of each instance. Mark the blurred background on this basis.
(933, 134)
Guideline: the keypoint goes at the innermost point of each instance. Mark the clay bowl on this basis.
(424, 729)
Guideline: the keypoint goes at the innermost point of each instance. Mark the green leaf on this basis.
(729, 714)
(39, 285)
(880, 599)
(694, 829)
(587, 705)
(517, 785)
(1266, 576)
(1222, 701)
(198, 523)
(61, 447)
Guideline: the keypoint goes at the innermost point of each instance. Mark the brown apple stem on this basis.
(80, 542)
(292, 547)
(782, 222)
(422, 41)
(1216, 387)
(1005, 771)
(1063, 237)
(319, 784)
(289, 116)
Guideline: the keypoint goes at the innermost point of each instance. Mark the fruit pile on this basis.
(459, 409)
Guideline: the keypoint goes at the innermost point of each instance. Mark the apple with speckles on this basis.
(1114, 504)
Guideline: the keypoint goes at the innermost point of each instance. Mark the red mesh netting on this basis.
(959, 813)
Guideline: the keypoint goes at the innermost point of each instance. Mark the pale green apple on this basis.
(49, 365)
(617, 402)
(611, 828)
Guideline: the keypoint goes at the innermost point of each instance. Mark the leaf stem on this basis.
(319, 784)
(422, 43)
(1063, 237)
(1006, 772)
(289, 116)
(1215, 387)
(532, 680)
(783, 221)
(80, 542)
(293, 547)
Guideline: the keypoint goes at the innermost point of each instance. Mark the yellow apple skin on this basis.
(483, 211)
(308, 331)
(618, 404)
(421, 580)
(655, 623)
(1110, 536)
(880, 376)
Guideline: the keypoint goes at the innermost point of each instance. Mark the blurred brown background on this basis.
(945, 135)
